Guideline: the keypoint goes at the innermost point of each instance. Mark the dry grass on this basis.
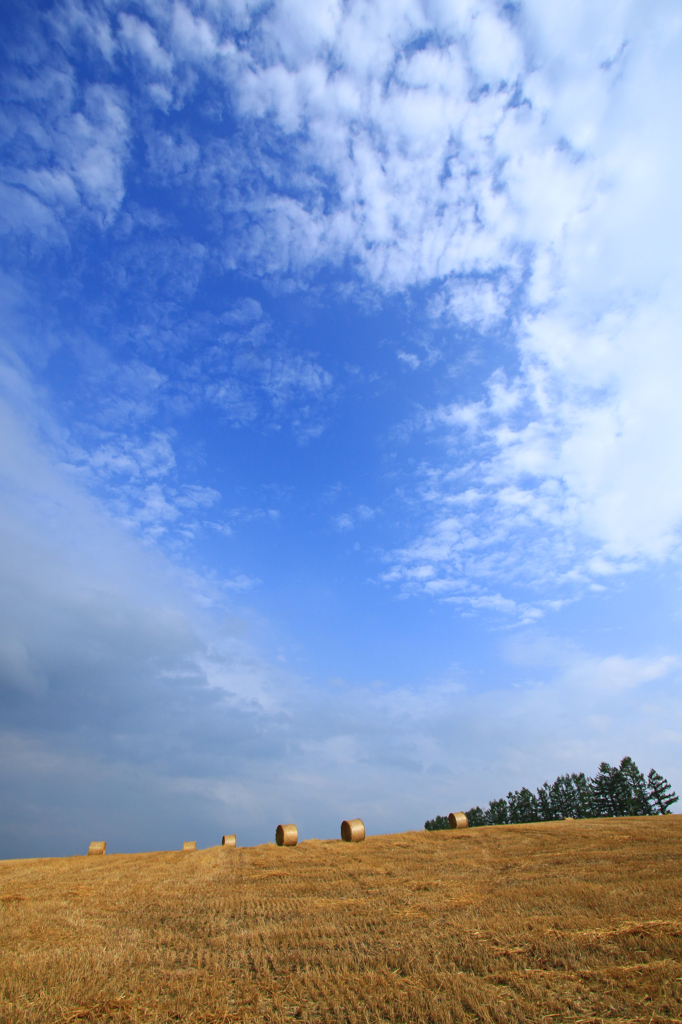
(569, 921)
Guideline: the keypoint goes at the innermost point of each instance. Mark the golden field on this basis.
(564, 921)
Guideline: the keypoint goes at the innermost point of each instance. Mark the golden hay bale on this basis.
(230, 841)
(286, 835)
(96, 848)
(189, 846)
(458, 819)
(352, 831)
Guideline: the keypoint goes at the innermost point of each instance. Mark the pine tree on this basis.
(613, 792)
(522, 806)
(497, 813)
(475, 817)
(639, 795)
(546, 802)
(623, 791)
(437, 823)
(584, 797)
(563, 798)
(660, 793)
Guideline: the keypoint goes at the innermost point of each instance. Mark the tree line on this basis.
(612, 793)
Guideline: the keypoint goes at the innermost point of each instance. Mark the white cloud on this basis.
(133, 457)
(573, 472)
(194, 37)
(524, 168)
(195, 496)
(248, 375)
(544, 145)
(240, 582)
(68, 163)
(481, 303)
(140, 37)
(348, 520)
(413, 361)
(136, 479)
(364, 512)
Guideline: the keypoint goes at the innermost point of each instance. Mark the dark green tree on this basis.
(622, 791)
(660, 793)
(497, 813)
(563, 798)
(437, 823)
(475, 817)
(522, 806)
(613, 792)
(547, 808)
(639, 794)
(584, 806)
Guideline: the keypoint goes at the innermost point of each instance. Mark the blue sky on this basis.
(340, 368)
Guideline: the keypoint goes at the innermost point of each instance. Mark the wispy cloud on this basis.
(410, 358)
(348, 520)
(444, 149)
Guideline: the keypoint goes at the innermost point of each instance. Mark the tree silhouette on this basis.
(437, 823)
(660, 793)
(613, 792)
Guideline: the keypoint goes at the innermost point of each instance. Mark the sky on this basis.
(340, 444)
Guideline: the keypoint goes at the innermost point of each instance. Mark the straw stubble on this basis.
(501, 925)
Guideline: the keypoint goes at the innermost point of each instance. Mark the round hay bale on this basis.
(286, 835)
(458, 819)
(352, 831)
(189, 846)
(95, 849)
(230, 841)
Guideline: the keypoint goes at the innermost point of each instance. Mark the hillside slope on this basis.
(566, 921)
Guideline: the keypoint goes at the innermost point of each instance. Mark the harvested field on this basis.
(567, 921)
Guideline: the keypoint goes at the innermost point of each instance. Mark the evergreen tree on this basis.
(639, 795)
(475, 817)
(613, 792)
(584, 797)
(522, 806)
(563, 798)
(437, 823)
(497, 813)
(660, 793)
(622, 791)
(546, 806)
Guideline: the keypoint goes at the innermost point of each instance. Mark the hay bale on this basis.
(230, 841)
(352, 831)
(458, 819)
(286, 835)
(95, 849)
(189, 846)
